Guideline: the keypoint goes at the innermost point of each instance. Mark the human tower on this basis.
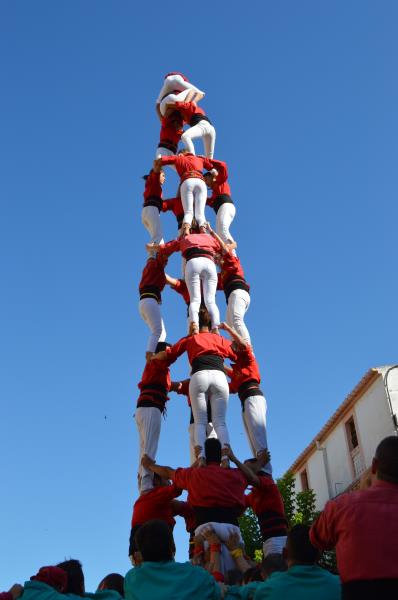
(209, 262)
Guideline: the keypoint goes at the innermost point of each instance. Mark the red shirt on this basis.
(169, 135)
(155, 504)
(199, 344)
(185, 510)
(181, 288)
(155, 382)
(221, 185)
(200, 241)
(267, 504)
(188, 165)
(153, 277)
(363, 526)
(188, 110)
(230, 268)
(244, 369)
(152, 186)
(175, 205)
(212, 486)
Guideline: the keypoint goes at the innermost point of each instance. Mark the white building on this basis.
(343, 450)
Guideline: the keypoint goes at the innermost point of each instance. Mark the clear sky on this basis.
(304, 99)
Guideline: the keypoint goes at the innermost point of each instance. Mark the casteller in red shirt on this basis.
(171, 131)
(187, 165)
(155, 384)
(266, 502)
(153, 278)
(200, 344)
(153, 189)
(176, 207)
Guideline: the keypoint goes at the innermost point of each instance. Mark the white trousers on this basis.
(165, 152)
(173, 83)
(172, 99)
(210, 433)
(222, 531)
(255, 422)
(150, 312)
(193, 198)
(213, 385)
(203, 270)
(238, 304)
(274, 545)
(225, 216)
(150, 218)
(148, 421)
(203, 130)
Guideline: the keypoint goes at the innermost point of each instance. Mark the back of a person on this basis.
(301, 582)
(169, 581)
(215, 486)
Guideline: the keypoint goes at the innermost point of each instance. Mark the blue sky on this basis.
(303, 97)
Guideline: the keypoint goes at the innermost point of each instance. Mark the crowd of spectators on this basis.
(362, 526)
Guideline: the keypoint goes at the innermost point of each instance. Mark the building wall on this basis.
(372, 418)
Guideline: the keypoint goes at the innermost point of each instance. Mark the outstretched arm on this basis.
(171, 280)
(164, 472)
(225, 247)
(247, 472)
(234, 334)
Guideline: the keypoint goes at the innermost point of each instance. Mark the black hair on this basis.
(162, 346)
(233, 577)
(299, 547)
(113, 581)
(74, 570)
(387, 459)
(155, 541)
(271, 563)
(252, 574)
(213, 450)
(204, 317)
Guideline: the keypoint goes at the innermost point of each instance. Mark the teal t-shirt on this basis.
(170, 580)
(300, 582)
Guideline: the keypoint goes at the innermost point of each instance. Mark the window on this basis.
(353, 444)
(304, 480)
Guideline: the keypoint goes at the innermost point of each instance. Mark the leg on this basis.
(165, 152)
(150, 312)
(192, 279)
(190, 134)
(171, 99)
(148, 421)
(219, 394)
(209, 139)
(209, 281)
(191, 431)
(224, 218)
(200, 197)
(198, 387)
(152, 223)
(254, 418)
(173, 83)
(238, 303)
(187, 199)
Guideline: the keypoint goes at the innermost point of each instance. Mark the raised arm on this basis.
(225, 247)
(171, 280)
(234, 335)
(247, 472)
(163, 472)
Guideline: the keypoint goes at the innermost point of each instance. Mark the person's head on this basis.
(183, 151)
(298, 549)
(175, 119)
(213, 450)
(55, 577)
(385, 462)
(252, 574)
(272, 563)
(254, 466)
(113, 581)
(194, 226)
(161, 346)
(210, 179)
(74, 570)
(154, 540)
(233, 577)
(204, 318)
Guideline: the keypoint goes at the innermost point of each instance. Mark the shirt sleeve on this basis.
(221, 169)
(177, 349)
(168, 160)
(168, 248)
(181, 478)
(323, 531)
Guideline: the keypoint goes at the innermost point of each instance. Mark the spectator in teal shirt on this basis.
(304, 579)
(159, 576)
